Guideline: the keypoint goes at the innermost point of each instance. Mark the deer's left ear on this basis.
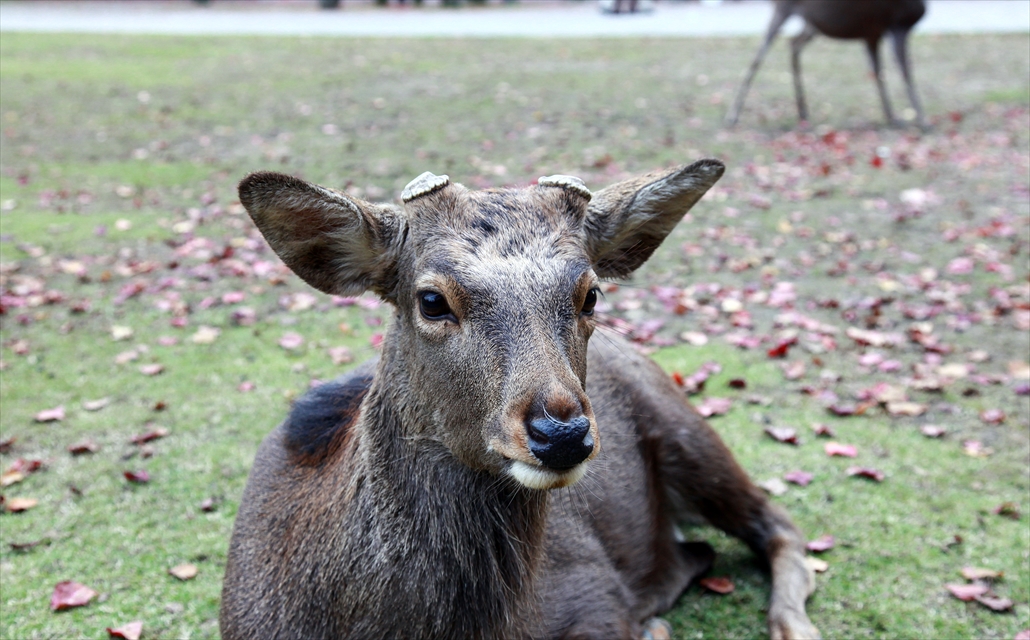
(626, 221)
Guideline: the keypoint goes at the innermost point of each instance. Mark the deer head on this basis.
(494, 294)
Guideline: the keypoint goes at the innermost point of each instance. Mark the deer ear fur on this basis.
(626, 221)
(337, 244)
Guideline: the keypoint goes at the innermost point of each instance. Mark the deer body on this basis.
(433, 493)
(866, 20)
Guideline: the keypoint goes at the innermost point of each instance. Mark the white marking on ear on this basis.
(566, 182)
(540, 478)
(425, 183)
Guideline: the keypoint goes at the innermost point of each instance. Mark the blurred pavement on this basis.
(525, 19)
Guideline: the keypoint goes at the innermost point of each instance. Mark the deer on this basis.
(496, 471)
(866, 20)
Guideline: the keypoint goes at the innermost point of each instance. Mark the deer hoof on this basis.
(656, 629)
(792, 625)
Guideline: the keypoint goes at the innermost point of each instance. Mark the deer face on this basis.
(494, 293)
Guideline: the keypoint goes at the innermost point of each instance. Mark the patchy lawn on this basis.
(869, 280)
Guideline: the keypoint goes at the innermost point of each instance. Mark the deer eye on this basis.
(433, 306)
(589, 302)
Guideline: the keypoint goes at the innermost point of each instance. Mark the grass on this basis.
(155, 132)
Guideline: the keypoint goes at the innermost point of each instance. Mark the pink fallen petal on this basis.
(70, 594)
(837, 449)
(245, 387)
(866, 472)
(822, 543)
(129, 631)
(802, 478)
(1022, 635)
(51, 415)
(960, 266)
(376, 340)
(823, 430)
(967, 592)
(152, 369)
(995, 603)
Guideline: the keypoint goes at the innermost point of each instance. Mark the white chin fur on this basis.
(541, 478)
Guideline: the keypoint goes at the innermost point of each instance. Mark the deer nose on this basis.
(560, 445)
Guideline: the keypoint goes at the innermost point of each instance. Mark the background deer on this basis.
(413, 497)
(866, 20)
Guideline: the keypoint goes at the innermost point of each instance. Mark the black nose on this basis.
(560, 445)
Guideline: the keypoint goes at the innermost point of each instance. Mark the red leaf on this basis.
(153, 434)
(677, 377)
(139, 477)
(51, 415)
(70, 594)
(86, 446)
(837, 449)
(129, 631)
(717, 584)
(737, 383)
(1007, 509)
(876, 162)
(967, 592)
(866, 472)
(376, 340)
(26, 466)
(802, 478)
(781, 348)
(785, 435)
(822, 543)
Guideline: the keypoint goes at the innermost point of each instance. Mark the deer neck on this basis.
(463, 532)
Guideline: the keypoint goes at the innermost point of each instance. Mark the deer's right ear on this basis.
(337, 244)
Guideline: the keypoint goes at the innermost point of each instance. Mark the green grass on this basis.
(84, 147)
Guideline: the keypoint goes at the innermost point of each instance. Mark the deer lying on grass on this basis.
(865, 20)
(412, 498)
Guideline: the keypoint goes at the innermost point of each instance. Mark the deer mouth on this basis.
(540, 477)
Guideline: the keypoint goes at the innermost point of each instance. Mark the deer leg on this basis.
(899, 39)
(873, 47)
(700, 476)
(796, 45)
(779, 17)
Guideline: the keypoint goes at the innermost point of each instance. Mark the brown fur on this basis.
(866, 20)
(403, 500)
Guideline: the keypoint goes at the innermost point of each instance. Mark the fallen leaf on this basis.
(10, 477)
(786, 435)
(1019, 369)
(967, 592)
(185, 571)
(153, 434)
(138, 477)
(821, 544)
(245, 386)
(932, 431)
(737, 383)
(994, 603)
(51, 415)
(129, 631)
(837, 449)
(717, 584)
(714, 407)
(85, 446)
(17, 505)
(340, 355)
(979, 573)
(70, 594)
(773, 486)
(823, 430)
(205, 335)
(1022, 635)
(906, 408)
(6, 444)
(781, 348)
(802, 478)
(976, 449)
(151, 369)
(208, 505)
(992, 416)
(695, 338)
(291, 341)
(119, 333)
(96, 405)
(126, 357)
(1007, 510)
(793, 370)
(866, 472)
